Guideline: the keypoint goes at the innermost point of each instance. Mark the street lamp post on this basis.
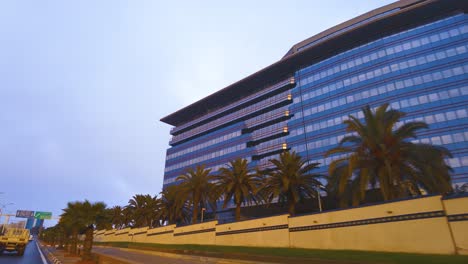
(7, 217)
(202, 213)
(319, 199)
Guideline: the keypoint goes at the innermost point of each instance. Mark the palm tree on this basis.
(239, 182)
(378, 154)
(291, 180)
(94, 216)
(84, 216)
(172, 208)
(70, 220)
(144, 210)
(118, 217)
(195, 187)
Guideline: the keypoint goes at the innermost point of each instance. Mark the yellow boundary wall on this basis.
(422, 225)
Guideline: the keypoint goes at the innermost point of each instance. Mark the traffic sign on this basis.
(24, 213)
(43, 215)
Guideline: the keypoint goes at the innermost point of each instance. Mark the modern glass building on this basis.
(411, 54)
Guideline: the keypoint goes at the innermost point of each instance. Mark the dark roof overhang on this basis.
(412, 13)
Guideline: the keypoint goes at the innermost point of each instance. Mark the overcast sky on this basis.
(83, 85)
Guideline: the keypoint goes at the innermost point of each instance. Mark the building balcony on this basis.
(242, 114)
(290, 82)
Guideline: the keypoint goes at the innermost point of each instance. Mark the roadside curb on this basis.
(50, 257)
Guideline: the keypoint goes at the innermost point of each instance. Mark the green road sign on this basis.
(43, 215)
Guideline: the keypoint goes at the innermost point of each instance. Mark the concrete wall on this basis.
(423, 225)
(138, 234)
(161, 235)
(457, 216)
(203, 233)
(417, 225)
(122, 235)
(263, 232)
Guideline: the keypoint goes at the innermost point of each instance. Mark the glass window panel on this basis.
(423, 99)
(430, 58)
(464, 161)
(464, 90)
(436, 140)
(429, 119)
(454, 93)
(439, 117)
(457, 70)
(399, 85)
(444, 35)
(413, 101)
(446, 139)
(382, 89)
(440, 55)
(433, 97)
(461, 49)
(434, 38)
(437, 76)
(461, 113)
(443, 95)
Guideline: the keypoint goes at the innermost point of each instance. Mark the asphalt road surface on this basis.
(136, 257)
(31, 256)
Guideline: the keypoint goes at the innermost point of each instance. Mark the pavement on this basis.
(114, 255)
(60, 256)
(136, 256)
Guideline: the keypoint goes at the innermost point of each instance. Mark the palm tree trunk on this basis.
(238, 211)
(88, 244)
(195, 212)
(74, 242)
(291, 207)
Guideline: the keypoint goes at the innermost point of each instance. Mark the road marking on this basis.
(44, 261)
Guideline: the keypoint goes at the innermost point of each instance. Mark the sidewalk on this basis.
(138, 256)
(58, 256)
(142, 256)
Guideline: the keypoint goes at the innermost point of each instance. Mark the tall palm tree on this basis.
(379, 154)
(172, 207)
(118, 217)
(195, 186)
(93, 216)
(84, 216)
(144, 209)
(291, 180)
(239, 182)
(70, 220)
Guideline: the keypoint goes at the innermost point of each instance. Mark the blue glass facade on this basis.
(422, 70)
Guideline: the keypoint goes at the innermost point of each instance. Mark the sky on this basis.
(83, 85)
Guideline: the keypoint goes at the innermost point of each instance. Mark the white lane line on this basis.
(44, 261)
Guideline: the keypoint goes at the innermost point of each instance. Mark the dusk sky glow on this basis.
(83, 85)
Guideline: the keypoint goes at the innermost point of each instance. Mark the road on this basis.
(143, 257)
(31, 256)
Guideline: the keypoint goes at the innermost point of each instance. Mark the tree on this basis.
(237, 182)
(84, 217)
(291, 180)
(70, 220)
(172, 207)
(118, 218)
(94, 216)
(378, 154)
(195, 187)
(144, 210)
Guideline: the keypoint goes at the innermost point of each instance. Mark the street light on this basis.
(7, 217)
(319, 198)
(202, 213)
